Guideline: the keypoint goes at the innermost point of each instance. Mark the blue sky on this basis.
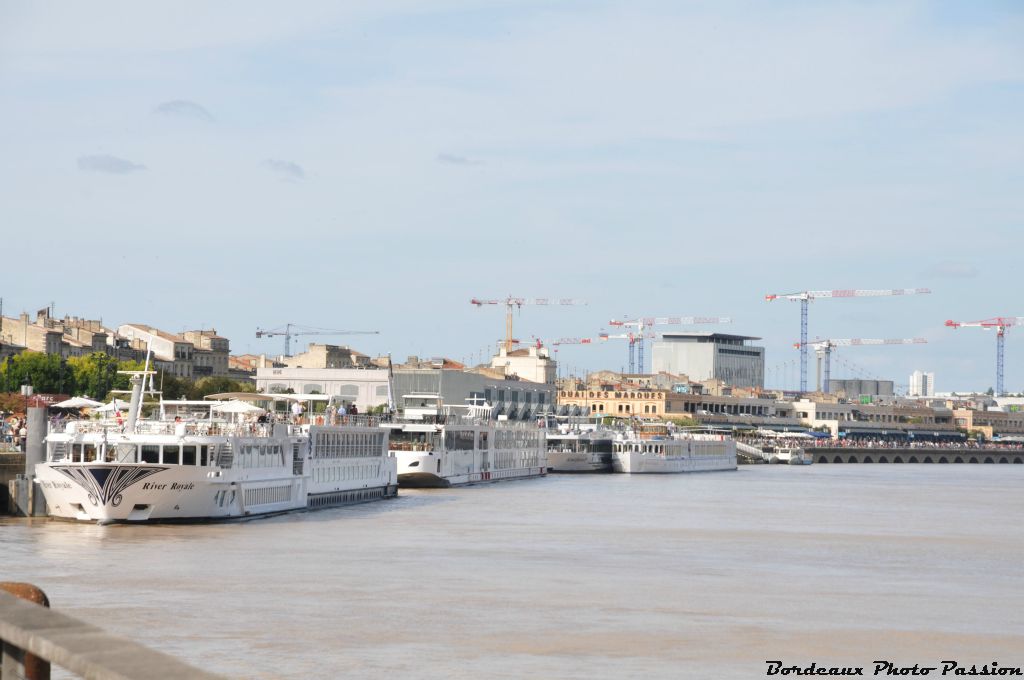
(375, 165)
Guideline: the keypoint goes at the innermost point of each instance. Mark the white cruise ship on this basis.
(164, 470)
(652, 449)
(579, 448)
(442, 446)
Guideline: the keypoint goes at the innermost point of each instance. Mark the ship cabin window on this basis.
(88, 453)
(188, 455)
(149, 453)
(172, 455)
(204, 459)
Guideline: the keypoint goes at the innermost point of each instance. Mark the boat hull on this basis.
(577, 462)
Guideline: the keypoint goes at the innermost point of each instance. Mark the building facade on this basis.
(706, 356)
(365, 387)
(922, 384)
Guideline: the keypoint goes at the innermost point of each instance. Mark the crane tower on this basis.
(641, 326)
(513, 303)
(288, 333)
(806, 296)
(824, 350)
(1000, 324)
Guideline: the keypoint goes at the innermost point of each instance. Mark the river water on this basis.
(611, 576)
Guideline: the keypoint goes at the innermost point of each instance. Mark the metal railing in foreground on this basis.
(32, 637)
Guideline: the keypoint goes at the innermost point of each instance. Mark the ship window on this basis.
(188, 455)
(150, 453)
(172, 455)
(203, 456)
(89, 452)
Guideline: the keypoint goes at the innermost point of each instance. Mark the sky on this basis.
(375, 165)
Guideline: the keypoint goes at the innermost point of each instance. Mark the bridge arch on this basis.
(928, 459)
(913, 459)
(867, 459)
(974, 459)
(1003, 460)
(838, 459)
(943, 460)
(822, 459)
(989, 460)
(1018, 460)
(852, 459)
(958, 460)
(883, 459)
(897, 459)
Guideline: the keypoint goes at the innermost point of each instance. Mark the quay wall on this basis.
(11, 465)
(847, 455)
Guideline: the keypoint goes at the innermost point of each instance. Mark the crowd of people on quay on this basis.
(13, 432)
(879, 442)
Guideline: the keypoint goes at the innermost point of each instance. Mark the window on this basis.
(171, 455)
(150, 453)
(382, 390)
(188, 455)
(313, 388)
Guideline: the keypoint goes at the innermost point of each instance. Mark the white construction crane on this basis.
(824, 349)
(1000, 324)
(641, 325)
(517, 303)
(290, 330)
(805, 297)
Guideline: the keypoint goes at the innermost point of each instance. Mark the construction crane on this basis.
(824, 350)
(634, 340)
(805, 297)
(291, 330)
(641, 325)
(1000, 323)
(512, 303)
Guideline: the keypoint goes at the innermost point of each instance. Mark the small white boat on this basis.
(789, 455)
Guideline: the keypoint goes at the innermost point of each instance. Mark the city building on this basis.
(706, 356)
(210, 353)
(171, 353)
(514, 399)
(365, 387)
(327, 356)
(854, 388)
(921, 384)
(532, 363)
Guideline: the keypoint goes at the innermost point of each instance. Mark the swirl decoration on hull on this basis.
(106, 483)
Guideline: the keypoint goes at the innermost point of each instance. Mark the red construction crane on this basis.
(517, 303)
(641, 325)
(805, 297)
(824, 349)
(1000, 323)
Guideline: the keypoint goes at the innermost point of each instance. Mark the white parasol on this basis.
(237, 407)
(78, 402)
(116, 405)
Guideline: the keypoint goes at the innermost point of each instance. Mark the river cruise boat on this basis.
(213, 468)
(442, 446)
(651, 448)
(579, 447)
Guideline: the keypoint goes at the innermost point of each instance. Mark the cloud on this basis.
(106, 163)
(186, 108)
(452, 159)
(286, 169)
(950, 269)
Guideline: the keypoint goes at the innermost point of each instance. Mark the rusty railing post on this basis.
(16, 663)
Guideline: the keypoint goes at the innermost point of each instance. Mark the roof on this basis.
(706, 334)
(157, 332)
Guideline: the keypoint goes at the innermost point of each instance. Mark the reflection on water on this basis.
(569, 577)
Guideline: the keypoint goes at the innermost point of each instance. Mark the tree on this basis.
(45, 372)
(218, 384)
